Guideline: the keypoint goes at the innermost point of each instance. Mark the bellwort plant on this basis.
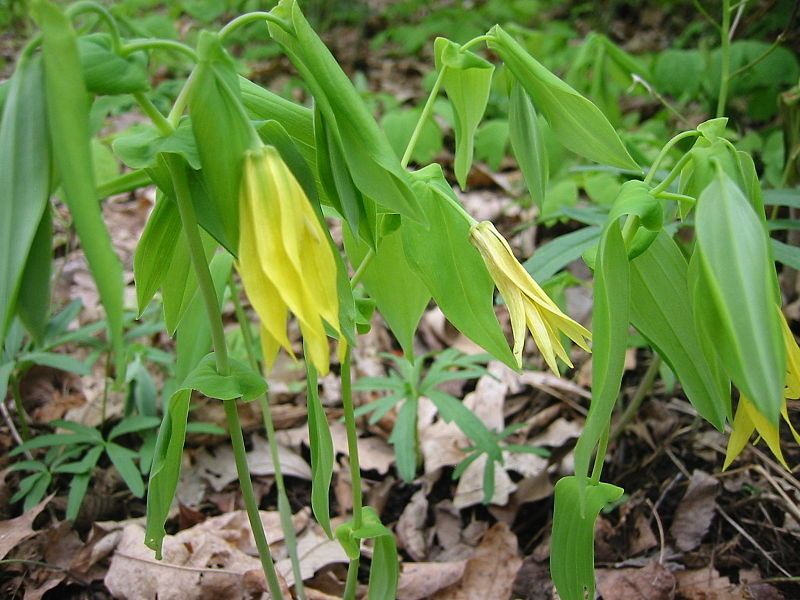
(247, 182)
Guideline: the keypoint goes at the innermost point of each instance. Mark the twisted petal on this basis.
(528, 304)
(747, 420)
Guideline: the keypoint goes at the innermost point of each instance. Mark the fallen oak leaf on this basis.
(14, 531)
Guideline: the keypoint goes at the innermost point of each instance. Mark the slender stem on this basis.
(744, 68)
(676, 170)
(168, 45)
(426, 113)
(101, 11)
(676, 197)
(206, 284)
(355, 467)
(362, 267)
(701, 9)
(23, 419)
(599, 458)
(124, 183)
(248, 18)
(474, 41)
(159, 120)
(726, 57)
(665, 150)
(638, 397)
(181, 101)
(283, 501)
(251, 505)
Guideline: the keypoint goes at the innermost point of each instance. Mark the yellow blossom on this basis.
(285, 259)
(526, 300)
(748, 418)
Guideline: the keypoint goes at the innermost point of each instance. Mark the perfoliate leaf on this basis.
(572, 543)
(242, 382)
(322, 456)
(527, 143)
(467, 80)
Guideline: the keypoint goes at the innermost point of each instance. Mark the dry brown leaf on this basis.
(652, 582)
(14, 531)
(410, 529)
(423, 579)
(469, 491)
(374, 453)
(315, 551)
(642, 536)
(708, 584)
(557, 434)
(491, 570)
(695, 511)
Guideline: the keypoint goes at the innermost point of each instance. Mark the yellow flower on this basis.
(526, 300)
(285, 259)
(749, 419)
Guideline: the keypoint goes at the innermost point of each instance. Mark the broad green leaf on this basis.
(223, 133)
(322, 455)
(34, 285)
(404, 440)
(548, 259)
(735, 276)
(400, 295)
(786, 254)
(384, 568)
(610, 319)
(193, 336)
(140, 145)
(106, 72)
(577, 123)
(370, 159)
(453, 269)
(467, 80)
(527, 143)
(24, 179)
(491, 142)
(242, 382)
(166, 468)
(572, 542)
(63, 362)
(662, 312)
(68, 118)
(122, 458)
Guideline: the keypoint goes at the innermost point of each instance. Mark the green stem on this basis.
(362, 267)
(160, 121)
(638, 397)
(599, 458)
(355, 468)
(283, 501)
(124, 183)
(23, 419)
(426, 113)
(248, 18)
(665, 150)
(206, 284)
(676, 170)
(181, 101)
(168, 45)
(743, 69)
(726, 57)
(474, 41)
(86, 6)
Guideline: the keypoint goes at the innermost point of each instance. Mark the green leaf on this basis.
(155, 250)
(24, 178)
(786, 254)
(374, 167)
(662, 312)
(223, 133)
(139, 146)
(77, 492)
(322, 456)
(551, 257)
(242, 382)
(193, 334)
(37, 492)
(123, 461)
(572, 542)
(166, 468)
(404, 440)
(53, 439)
(34, 285)
(527, 143)
(453, 269)
(68, 117)
(735, 294)
(467, 79)
(491, 142)
(610, 319)
(84, 465)
(400, 295)
(106, 72)
(399, 124)
(132, 425)
(453, 410)
(577, 123)
(63, 362)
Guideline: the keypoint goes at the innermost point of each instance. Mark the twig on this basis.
(12, 428)
(641, 392)
(660, 526)
(750, 539)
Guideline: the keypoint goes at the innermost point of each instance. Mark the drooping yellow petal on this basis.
(792, 360)
(527, 302)
(748, 419)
